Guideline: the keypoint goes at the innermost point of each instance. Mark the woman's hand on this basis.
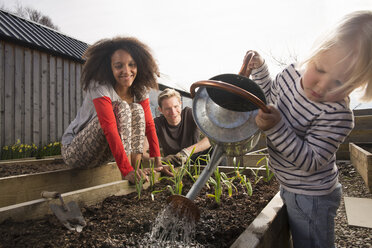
(140, 174)
(265, 121)
(162, 168)
(252, 60)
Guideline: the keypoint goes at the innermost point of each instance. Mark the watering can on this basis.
(224, 109)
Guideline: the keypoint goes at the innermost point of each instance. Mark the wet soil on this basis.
(124, 221)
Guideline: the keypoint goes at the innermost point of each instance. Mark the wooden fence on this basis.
(39, 95)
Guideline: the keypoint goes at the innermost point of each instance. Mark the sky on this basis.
(194, 40)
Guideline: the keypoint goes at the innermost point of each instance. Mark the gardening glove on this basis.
(173, 159)
(178, 159)
(184, 155)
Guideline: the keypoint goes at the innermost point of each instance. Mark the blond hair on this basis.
(353, 33)
(167, 93)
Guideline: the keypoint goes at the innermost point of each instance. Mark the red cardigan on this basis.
(106, 117)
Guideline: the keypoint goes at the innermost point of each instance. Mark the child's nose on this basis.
(324, 86)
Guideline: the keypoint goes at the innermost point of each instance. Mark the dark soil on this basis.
(123, 221)
(7, 170)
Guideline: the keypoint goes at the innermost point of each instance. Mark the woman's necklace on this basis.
(128, 98)
(125, 96)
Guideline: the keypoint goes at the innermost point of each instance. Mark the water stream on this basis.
(171, 231)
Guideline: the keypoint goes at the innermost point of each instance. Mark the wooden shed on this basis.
(40, 71)
(39, 81)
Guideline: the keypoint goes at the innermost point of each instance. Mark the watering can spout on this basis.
(184, 206)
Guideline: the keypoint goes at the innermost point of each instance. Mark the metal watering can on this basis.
(224, 109)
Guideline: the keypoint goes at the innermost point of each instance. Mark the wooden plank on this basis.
(360, 112)
(44, 114)
(19, 100)
(363, 122)
(38, 208)
(84, 197)
(9, 95)
(73, 103)
(362, 161)
(269, 229)
(59, 100)
(361, 135)
(251, 160)
(33, 161)
(343, 152)
(17, 189)
(36, 98)
(52, 100)
(79, 96)
(255, 160)
(28, 118)
(66, 94)
(2, 95)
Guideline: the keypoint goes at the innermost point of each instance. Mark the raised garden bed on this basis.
(123, 221)
(361, 158)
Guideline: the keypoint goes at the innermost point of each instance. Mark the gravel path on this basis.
(352, 186)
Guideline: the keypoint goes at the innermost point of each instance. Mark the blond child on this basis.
(309, 118)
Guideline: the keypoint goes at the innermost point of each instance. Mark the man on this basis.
(177, 131)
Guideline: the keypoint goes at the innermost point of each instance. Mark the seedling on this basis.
(268, 173)
(138, 183)
(177, 186)
(228, 181)
(217, 186)
(152, 174)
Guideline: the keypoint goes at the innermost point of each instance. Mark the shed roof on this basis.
(35, 35)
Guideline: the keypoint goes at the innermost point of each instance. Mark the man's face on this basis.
(171, 109)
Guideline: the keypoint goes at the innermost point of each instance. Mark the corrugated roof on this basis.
(29, 33)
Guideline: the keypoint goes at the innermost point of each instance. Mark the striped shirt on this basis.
(302, 146)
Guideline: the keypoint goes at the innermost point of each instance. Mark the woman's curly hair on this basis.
(97, 66)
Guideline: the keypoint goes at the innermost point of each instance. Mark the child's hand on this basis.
(265, 121)
(252, 60)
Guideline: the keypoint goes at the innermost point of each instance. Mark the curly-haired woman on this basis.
(115, 115)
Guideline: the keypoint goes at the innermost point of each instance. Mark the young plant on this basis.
(228, 181)
(177, 186)
(177, 180)
(152, 174)
(256, 172)
(243, 180)
(138, 183)
(217, 186)
(269, 174)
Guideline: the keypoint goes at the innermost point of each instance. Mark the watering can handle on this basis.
(244, 70)
(232, 89)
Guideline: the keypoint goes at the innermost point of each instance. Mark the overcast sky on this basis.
(194, 40)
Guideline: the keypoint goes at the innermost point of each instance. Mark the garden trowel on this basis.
(69, 214)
